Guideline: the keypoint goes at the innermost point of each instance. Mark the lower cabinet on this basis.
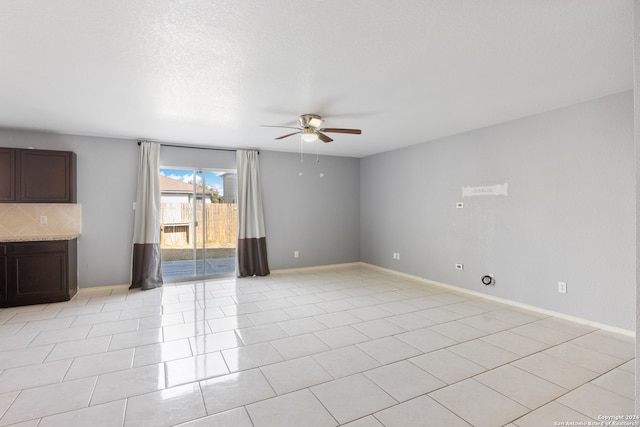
(4, 272)
(38, 272)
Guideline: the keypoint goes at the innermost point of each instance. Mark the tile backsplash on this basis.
(26, 220)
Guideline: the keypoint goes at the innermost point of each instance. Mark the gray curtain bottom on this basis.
(146, 271)
(252, 257)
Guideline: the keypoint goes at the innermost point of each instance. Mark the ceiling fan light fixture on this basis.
(310, 129)
(310, 120)
(308, 136)
(315, 122)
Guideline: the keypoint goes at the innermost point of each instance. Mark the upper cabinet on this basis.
(46, 176)
(37, 176)
(7, 175)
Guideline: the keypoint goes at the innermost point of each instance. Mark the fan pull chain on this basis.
(301, 158)
(317, 155)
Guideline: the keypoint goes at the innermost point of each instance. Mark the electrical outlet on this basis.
(296, 254)
(562, 287)
(43, 219)
(459, 266)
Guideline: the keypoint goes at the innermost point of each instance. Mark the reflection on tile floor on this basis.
(172, 270)
(347, 345)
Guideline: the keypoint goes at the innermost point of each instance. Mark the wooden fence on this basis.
(220, 221)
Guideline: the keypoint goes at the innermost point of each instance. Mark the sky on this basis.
(212, 178)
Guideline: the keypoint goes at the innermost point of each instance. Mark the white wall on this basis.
(569, 215)
(106, 174)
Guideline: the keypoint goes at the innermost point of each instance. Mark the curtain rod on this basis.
(197, 147)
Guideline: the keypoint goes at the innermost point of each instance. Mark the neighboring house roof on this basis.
(170, 185)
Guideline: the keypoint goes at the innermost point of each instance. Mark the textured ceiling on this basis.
(209, 72)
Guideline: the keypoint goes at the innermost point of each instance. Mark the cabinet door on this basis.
(39, 274)
(46, 176)
(7, 174)
(4, 275)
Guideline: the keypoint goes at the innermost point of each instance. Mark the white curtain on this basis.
(252, 244)
(146, 268)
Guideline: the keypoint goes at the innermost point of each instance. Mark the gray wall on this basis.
(317, 216)
(107, 171)
(197, 158)
(636, 85)
(569, 215)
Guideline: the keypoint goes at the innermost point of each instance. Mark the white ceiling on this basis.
(209, 72)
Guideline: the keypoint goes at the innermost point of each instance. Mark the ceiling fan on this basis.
(311, 131)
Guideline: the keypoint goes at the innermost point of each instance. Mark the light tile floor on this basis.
(348, 345)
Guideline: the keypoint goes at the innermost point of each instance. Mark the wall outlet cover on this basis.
(562, 287)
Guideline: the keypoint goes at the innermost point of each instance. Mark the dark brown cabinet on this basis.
(39, 272)
(7, 175)
(37, 176)
(4, 279)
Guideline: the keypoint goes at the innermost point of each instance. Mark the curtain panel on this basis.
(146, 271)
(252, 243)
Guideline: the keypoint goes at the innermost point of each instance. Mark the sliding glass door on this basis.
(198, 223)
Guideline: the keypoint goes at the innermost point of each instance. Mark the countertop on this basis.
(38, 238)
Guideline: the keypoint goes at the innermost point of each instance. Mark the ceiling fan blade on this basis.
(286, 127)
(287, 135)
(339, 130)
(323, 137)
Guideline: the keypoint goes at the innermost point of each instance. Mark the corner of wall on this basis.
(636, 104)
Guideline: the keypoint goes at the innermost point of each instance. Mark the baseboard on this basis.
(102, 289)
(318, 267)
(603, 326)
(534, 308)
